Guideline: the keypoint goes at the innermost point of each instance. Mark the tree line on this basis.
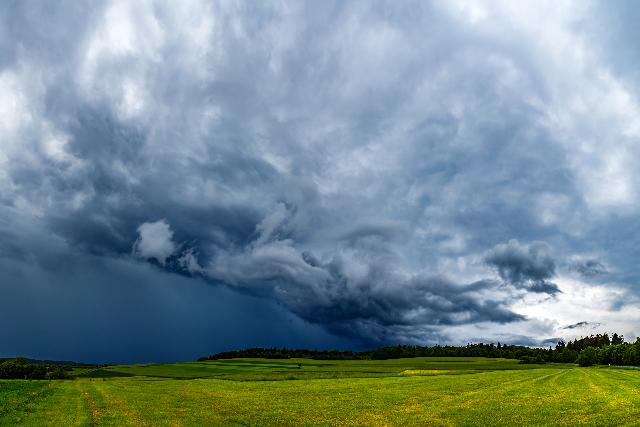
(586, 351)
(23, 369)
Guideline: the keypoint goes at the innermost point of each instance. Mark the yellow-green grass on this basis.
(538, 396)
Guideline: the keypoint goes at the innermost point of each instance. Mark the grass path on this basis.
(41, 402)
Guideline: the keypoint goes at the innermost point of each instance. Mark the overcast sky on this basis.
(181, 178)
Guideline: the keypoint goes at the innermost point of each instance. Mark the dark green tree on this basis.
(588, 357)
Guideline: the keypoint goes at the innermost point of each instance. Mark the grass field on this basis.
(421, 391)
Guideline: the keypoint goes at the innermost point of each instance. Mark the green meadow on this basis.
(418, 391)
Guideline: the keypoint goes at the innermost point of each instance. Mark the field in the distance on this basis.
(420, 391)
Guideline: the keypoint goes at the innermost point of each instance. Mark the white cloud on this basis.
(155, 241)
(611, 308)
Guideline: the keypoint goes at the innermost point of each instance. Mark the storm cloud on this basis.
(378, 171)
(524, 266)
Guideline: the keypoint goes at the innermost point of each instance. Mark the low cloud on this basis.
(155, 241)
(355, 292)
(375, 230)
(582, 325)
(590, 268)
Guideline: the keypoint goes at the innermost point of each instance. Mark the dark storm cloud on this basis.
(422, 302)
(350, 162)
(113, 310)
(358, 298)
(524, 266)
(62, 303)
(358, 293)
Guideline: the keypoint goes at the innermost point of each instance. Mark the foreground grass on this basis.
(540, 396)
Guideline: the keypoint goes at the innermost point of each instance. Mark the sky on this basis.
(183, 178)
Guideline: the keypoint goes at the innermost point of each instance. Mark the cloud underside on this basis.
(357, 290)
(389, 171)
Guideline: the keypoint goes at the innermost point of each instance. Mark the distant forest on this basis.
(21, 368)
(600, 349)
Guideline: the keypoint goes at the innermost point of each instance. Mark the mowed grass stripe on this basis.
(624, 390)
